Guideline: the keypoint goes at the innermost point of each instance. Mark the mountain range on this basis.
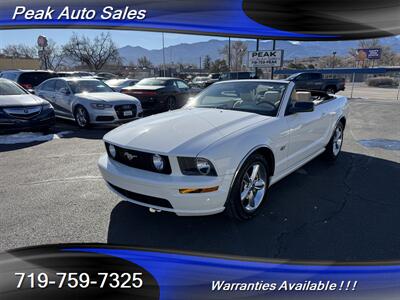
(191, 53)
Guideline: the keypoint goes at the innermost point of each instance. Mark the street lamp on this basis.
(333, 59)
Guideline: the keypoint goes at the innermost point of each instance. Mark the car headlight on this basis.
(158, 162)
(100, 105)
(112, 151)
(196, 166)
(47, 106)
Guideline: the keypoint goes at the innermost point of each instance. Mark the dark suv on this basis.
(28, 79)
(238, 75)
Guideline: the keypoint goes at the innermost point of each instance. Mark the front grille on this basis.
(23, 112)
(138, 159)
(120, 109)
(142, 198)
(104, 118)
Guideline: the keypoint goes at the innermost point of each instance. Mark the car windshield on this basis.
(152, 82)
(89, 86)
(9, 89)
(261, 97)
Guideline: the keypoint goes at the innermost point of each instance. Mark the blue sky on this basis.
(148, 40)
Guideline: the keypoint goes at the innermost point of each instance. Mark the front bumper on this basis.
(44, 120)
(166, 187)
(109, 116)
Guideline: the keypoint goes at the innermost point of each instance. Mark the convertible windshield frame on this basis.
(261, 97)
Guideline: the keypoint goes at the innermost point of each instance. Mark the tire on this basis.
(81, 117)
(331, 90)
(47, 130)
(171, 103)
(241, 205)
(334, 146)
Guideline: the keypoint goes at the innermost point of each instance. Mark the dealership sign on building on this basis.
(266, 59)
(371, 53)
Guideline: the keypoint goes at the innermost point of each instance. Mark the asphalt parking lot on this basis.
(52, 192)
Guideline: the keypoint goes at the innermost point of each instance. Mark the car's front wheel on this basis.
(81, 117)
(334, 146)
(250, 188)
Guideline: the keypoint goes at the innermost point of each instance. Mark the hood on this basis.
(181, 132)
(20, 100)
(107, 97)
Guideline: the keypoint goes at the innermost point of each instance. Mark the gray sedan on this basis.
(88, 101)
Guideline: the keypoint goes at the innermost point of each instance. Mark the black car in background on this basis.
(160, 93)
(22, 111)
(316, 82)
(28, 79)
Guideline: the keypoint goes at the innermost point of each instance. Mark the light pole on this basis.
(333, 61)
(163, 52)
(229, 54)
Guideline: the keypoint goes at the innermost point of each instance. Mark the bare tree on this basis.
(19, 51)
(238, 52)
(144, 62)
(207, 62)
(93, 53)
(219, 65)
(53, 56)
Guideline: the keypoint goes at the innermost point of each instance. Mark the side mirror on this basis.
(65, 91)
(301, 107)
(31, 91)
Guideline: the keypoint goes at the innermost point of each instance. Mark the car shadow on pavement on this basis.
(348, 211)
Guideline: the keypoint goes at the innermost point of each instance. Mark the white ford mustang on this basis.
(224, 149)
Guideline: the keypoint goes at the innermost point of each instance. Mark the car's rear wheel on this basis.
(334, 146)
(81, 117)
(250, 189)
(171, 103)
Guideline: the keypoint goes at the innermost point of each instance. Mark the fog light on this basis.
(158, 162)
(198, 190)
(113, 151)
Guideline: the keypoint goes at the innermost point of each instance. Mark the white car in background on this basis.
(224, 149)
(88, 101)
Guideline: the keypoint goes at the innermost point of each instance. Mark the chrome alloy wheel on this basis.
(253, 186)
(81, 118)
(337, 140)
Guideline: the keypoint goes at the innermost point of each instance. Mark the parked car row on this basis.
(88, 100)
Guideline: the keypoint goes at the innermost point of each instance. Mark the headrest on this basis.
(303, 97)
(271, 96)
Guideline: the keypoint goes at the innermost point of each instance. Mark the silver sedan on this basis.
(89, 101)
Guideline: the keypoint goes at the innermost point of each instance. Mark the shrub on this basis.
(382, 81)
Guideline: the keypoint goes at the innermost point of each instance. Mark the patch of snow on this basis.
(381, 143)
(30, 137)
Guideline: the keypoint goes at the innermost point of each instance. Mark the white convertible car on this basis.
(224, 149)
